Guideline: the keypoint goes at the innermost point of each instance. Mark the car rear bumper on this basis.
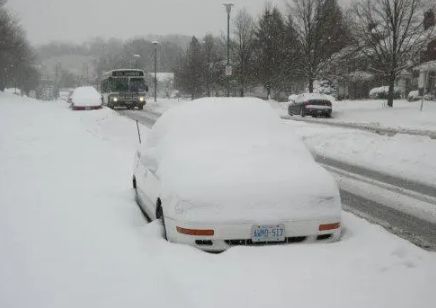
(239, 234)
(86, 107)
(316, 111)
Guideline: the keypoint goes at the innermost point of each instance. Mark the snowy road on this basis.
(71, 235)
(366, 203)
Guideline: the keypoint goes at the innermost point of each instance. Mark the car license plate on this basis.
(87, 108)
(268, 233)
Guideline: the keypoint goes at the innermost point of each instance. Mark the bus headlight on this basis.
(141, 98)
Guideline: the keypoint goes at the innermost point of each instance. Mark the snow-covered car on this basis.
(85, 98)
(382, 93)
(413, 96)
(292, 98)
(312, 104)
(239, 177)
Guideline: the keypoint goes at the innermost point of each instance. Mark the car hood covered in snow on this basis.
(233, 159)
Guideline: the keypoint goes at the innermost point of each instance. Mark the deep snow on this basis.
(406, 156)
(72, 236)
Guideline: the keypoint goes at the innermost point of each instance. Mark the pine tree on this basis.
(189, 76)
(243, 44)
(270, 45)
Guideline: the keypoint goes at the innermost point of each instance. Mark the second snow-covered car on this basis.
(85, 98)
(225, 172)
(312, 104)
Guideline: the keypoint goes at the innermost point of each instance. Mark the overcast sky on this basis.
(78, 20)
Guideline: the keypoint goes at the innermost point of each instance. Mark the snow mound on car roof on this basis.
(86, 92)
(235, 156)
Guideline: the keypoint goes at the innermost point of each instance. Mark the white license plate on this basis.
(87, 108)
(268, 233)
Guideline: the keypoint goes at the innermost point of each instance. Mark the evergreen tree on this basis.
(270, 49)
(243, 44)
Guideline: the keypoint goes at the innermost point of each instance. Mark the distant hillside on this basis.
(89, 59)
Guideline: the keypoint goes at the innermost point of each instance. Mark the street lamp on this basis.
(155, 43)
(228, 7)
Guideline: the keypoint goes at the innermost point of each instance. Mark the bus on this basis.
(124, 88)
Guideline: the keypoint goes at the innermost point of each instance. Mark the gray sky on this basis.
(78, 20)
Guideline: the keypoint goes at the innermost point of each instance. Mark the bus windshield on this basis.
(120, 84)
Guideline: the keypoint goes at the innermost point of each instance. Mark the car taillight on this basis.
(326, 227)
(195, 232)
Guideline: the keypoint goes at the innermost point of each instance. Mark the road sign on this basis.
(229, 70)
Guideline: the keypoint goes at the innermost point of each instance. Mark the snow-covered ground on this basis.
(406, 156)
(71, 234)
(404, 115)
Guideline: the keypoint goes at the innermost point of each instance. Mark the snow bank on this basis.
(406, 156)
(403, 116)
(72, 236)
(202, 149)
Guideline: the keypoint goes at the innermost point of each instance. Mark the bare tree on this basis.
(16, 55)
(245, 30)
(390, 34)
(320, 32)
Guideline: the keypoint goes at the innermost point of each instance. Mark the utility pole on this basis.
(155, 43)
(228, 7)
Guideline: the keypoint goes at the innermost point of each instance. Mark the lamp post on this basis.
(228, 7)
(155, 43)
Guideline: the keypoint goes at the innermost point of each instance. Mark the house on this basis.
(425, 72)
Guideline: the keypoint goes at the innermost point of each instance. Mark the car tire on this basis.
(140, 107)
(302, 112)
(160, 215)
